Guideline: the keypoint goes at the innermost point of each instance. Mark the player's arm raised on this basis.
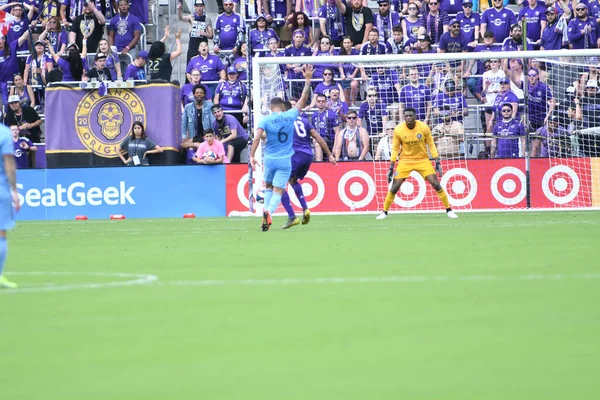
(307, 71)
(315, 135)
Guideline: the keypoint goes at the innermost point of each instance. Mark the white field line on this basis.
(137, 279)
(385, 279)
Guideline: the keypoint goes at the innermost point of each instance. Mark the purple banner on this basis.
(82, 121)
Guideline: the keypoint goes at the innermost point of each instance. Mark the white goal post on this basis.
(552, 164)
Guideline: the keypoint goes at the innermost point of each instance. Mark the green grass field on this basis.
(490, 306)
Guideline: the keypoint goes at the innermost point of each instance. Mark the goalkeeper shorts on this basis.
(404, 168)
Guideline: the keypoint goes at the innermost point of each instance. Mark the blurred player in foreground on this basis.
(279, 130)
(9, 200)
(304, 133)
(413, 137)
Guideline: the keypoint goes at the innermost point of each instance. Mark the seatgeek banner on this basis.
(83, 121)
(136, 192)
(476, 184)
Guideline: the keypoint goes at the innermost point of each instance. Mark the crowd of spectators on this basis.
(352, 106)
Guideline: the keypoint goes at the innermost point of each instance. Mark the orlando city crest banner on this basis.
(84, 128)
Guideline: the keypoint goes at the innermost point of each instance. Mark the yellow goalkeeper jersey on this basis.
(413, 142)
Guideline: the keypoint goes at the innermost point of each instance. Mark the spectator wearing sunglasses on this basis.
(374, 112)
(583, 31)
(434, 22)
(469, 23)
(507, 135)
(385, 20)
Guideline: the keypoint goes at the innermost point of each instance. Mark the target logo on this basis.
(315, 190)
(460, 185)
(508, 186)
(406, 196)
(242, 190)
(356, 188)
(560, 184)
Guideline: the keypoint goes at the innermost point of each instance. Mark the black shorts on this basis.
(238, 145)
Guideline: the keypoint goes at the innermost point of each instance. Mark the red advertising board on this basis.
(476, 184)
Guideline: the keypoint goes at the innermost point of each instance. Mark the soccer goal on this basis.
(514, 130)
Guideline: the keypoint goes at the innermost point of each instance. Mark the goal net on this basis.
(512, 129)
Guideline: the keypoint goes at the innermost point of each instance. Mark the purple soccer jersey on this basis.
(292, 51)
(241, 64)
(20, 154)
(533, 20)
(15, 31)
(334, 21)
(324, 122)
(124, 28)
(186, 94)
(259, 39)
(349, 68)
(232, 95)
(501, 99)
(412, 30)
(368, 49)
(302, 139)
(468, 24)
(209, 67)
(577, 39)
(511, 130)
(324, 89)
(223, 128)
(499, 22)
(417, 98)
(385, 24)
(456, 104)
(134, 72)
(452, 7)
(539, 96)
(373, 117)
(9, 65)
(453, 44)
(386, 85)
(552, 37)
(229, 30)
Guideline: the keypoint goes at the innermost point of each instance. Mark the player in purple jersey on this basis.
(541, 105)
(230, 29)
(22, 146)
(327, 124)
(498, 19)
(507, 134)
(535, 20)
(417, 96)
(304, 134)
(469, 23)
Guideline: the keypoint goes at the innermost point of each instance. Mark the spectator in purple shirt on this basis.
(541, 105)
(451, 7)
(57, 36)
(9, 64)
(232, 95)
(505, 96)
(349, 72)
(453, 100)
(210, 66)
(22, 146)
(416, 95)
(374, 46)
(124, 30)
(136, 70)
(294, 70)
(374, 112)
(410, 25)
(535, 19)
(336, 104)
(331, 22)
(241, 62)
(325, 87)
(325, 49)
(469, 23)
(230, 29)
(75, 66)
(583, 30)
(299, 21)
(187, 93)
(230, 132)
(434, 22)
(552, 36)
(498, 19)
(385, 20)
(453, 41)
(260, 35)
(507, 134)
(327, 124)
(515, 41)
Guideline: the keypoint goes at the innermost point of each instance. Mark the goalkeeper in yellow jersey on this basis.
(411, 139)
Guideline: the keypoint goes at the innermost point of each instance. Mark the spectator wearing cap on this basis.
(552, 36)
(230, 29)
(230, 132)
(25, 117)
(22, 147)
(201, 27)
(136, 70)
(498, 19)
(90, 23)
(75, 66)
(331, 22)
(556, 141)
(300, 21)
(534, 15)
(410, 24)
(469, 23)
(454, 41)
(232, 95)
(505, 96)
(541, 105)
(583, 31)
(100, 72)
(197, 117)
(507, 135)
(424, 47)
(159, 66)
(261, 34)
(9, 64)
(210, 66)
(293, 70)
(385, 20)
(124, 31)
(453, 100)
(434, 22)
(359, 21)
(35, 65)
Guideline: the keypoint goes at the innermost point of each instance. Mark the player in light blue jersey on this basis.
(278, 128)
(304, 134)
(9, 201)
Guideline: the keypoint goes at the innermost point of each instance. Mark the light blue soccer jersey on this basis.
(6, 147)
(279, 127)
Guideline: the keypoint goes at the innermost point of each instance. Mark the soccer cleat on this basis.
(451, 214)
(305, 216)
(291, 222)
(266, 221)
(5, 283)
(383, 215)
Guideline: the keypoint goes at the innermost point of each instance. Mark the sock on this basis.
(3, 251)
(287, 204)
(444, 198)
(267, 200)
(389, 199)
(300, 195)
(274, 202)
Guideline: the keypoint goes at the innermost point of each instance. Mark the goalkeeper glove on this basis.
(391, 174)
(438, 167)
